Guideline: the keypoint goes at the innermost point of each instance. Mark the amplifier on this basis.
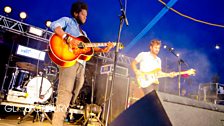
(109, 68)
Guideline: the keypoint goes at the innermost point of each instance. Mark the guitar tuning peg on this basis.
(121, 46)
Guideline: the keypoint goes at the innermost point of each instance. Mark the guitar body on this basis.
(61, 54)
(147, 78)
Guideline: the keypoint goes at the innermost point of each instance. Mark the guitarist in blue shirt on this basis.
(71, 78)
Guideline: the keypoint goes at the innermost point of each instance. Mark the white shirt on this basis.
(147, 62)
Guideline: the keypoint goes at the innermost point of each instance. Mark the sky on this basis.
(194, 41)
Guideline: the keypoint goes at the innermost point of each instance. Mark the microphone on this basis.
(171, 50)
(175, 54)
(24, 96)
(21, 96)
(182, 61)
(124, 17)
(126, 20)
(168, 48)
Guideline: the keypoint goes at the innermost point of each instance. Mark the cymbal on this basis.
(26, 66)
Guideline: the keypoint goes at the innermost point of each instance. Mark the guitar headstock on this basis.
(120, 45)
(191, 72)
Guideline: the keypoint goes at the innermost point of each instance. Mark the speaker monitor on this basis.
(119, 94)
(162, 109)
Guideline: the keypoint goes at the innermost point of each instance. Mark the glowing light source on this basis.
(217, 46)
(48, 23)
(23, 15)
(7, 9)
(35, 31)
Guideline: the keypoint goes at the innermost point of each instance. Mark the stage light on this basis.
(48, 23)
(217, 46)
(164, 46)
(23, 15)
(7, 9)
(35, 31)
(178, 55)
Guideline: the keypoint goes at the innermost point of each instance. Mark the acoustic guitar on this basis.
(64, 55)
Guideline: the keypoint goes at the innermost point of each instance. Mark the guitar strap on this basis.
(80, 29)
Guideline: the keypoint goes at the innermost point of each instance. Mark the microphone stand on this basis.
(42, 77)
(122, 18)
(180, 61)
(179, 84)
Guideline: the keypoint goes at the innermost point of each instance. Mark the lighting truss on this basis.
(22, 28)
(121, 59)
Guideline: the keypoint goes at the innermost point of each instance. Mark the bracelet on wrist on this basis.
(63, 36)
(68, 40)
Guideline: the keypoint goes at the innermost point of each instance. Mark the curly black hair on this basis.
(78, 7)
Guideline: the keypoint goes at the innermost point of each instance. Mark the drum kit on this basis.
(36, 84)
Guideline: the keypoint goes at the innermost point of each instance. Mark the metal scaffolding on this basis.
(22, 28)
(121, 59)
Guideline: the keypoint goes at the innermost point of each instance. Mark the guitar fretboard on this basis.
(96, 44)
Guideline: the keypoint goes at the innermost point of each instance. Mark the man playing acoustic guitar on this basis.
(64, 45)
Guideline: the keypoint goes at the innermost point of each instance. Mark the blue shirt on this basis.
(70, 26)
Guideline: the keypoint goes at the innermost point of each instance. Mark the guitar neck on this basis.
(180, 73)
(96, 44)
(167, 74)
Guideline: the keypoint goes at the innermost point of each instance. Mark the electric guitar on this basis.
(145, 79)
(64, 55)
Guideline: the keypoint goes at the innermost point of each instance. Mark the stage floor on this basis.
(11, 113)
(12, 120)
